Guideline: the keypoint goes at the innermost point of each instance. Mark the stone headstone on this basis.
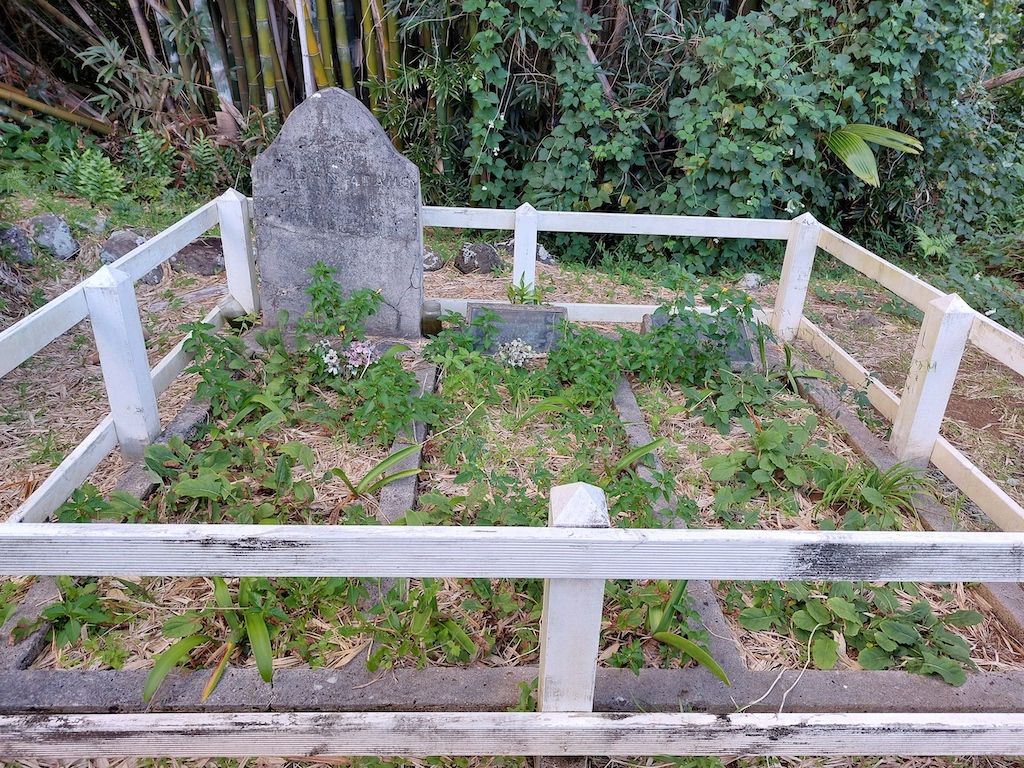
(538, 326)
(332, 188)
(742, 356)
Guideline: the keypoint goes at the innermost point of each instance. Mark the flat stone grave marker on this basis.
(332, 188)
(538, 326)
(742, 356)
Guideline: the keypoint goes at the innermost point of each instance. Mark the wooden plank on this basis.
(312, 734)
(578, 313)
(899, 281)
(653, 224)
(507, 552)
(981, 489)
(468, 218)
(69, 474)
(33, 332)
(1001, 343)
(1001, 509)
(524, 247)
(796, 276)
(570, 625)
(940, 347)
(239, 255)
(881, 397)
(117, 328)
(155, 251)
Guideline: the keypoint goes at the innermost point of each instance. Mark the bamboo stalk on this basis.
(69, 23)
(313, 49)
(86, 18)
(12, 94)
(249, 53)
(377, 8)
(143, 30)
(323, 20)
(218, 70)
(229, 17)
(370, 51)
(341, 45)
(394, 51)
(20, 117)
(184, 60)
(267, 54)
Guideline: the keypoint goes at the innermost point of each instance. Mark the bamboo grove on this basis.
(195, 57)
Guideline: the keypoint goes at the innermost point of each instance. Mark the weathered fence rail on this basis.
(575, 555)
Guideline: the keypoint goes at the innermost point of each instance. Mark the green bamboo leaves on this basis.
(850, 144)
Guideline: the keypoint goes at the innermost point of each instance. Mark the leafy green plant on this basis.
(868, 619)
(92, 175)
(868, 498)
(377, 476)
(331, 313)
(522, 293)
(79, 609)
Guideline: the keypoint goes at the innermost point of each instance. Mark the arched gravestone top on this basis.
(332, 188)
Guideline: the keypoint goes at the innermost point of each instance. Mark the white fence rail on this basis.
(949, 325)
(575, 555)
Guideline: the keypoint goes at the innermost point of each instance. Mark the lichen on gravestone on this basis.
(331, 188)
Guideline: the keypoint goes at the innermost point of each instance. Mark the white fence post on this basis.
(114, 313)
(796, 274)
(940, 346)
(570, 628)
(524, 248)
(239, 258)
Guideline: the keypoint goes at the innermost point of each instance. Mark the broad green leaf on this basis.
(695, 652)
(855, 153)
(818, 611)
(873, 496)
(460, 636)
(947, 669)
(388, 479)
(886, 137)
(167, 661)
(636, 455)
(181, 626)
(803, 620)
(963, 618)
(755, 619)
(825, 652)
(844, 609)
(206, 486)
(899, 631)
(873, 657)
(259, 642)
(553, 404)
(362, 487)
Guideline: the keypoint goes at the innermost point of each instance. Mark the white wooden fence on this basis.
(576, 554)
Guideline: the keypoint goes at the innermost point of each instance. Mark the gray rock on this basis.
(749, 282)
(478, 257)
(506, 250)
(205, 256)
(120, 242)
(53, 233)
(332, 189)
(123, 241)
(97, 225)
(432, 260)
(14, 244)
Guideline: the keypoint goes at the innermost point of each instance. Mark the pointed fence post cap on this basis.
(806, 218)
(525, 208)
(951, 303)
(233, 194)
(579, 505)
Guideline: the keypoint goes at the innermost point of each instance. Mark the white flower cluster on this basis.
(515, 353)
(330, 357)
